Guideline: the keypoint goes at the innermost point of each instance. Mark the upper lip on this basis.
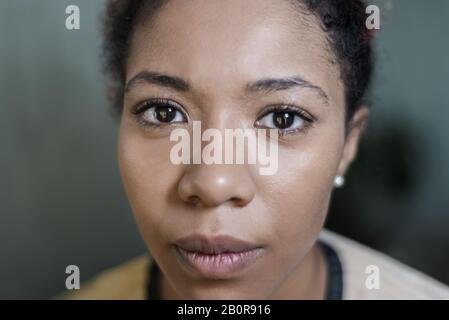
(214, 245)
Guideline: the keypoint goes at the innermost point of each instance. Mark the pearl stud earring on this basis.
(339, 181)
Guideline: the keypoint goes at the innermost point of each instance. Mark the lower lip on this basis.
(219, 265)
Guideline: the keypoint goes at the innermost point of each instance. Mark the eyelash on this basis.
(139, 109)
(304, 115)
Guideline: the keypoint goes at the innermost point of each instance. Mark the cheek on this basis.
(148, 176)
(298, 195)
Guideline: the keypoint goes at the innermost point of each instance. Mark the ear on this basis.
(355, 130)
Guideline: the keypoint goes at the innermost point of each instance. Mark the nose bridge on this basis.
(213, 184)
(220, 113)
(219, 120)
(216, 184)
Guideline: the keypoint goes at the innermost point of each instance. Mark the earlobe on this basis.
(355, 130)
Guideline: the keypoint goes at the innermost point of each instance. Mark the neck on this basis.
(308, 279)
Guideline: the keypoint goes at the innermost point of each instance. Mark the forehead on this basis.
(223, 44)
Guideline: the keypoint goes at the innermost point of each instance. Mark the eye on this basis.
(159, 112)
(285, 119)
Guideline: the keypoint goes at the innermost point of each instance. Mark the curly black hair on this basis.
(342, 20)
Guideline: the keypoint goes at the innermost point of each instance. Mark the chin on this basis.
(220, 294)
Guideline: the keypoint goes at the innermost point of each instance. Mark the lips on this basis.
(216, 257)
(215, 245)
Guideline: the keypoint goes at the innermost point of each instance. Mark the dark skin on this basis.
(195, 41)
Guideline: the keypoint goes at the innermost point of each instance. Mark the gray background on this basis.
(61, 199)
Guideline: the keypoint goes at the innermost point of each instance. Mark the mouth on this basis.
(217, 257)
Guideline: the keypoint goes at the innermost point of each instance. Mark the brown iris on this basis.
(165, 113)
(283, 119)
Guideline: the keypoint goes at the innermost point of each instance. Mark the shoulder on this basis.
(126, 281)
(396, 280)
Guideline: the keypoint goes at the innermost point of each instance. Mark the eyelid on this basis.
(154, 102)
(286, 107)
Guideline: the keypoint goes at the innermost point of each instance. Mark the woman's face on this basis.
(218, 48)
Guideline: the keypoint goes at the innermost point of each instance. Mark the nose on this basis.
(216, 184)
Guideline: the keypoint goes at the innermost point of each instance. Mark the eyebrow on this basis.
(266, 85)
(159, 79)
(269, 85)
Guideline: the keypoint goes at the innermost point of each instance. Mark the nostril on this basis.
(193, 199)
(237, 201)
